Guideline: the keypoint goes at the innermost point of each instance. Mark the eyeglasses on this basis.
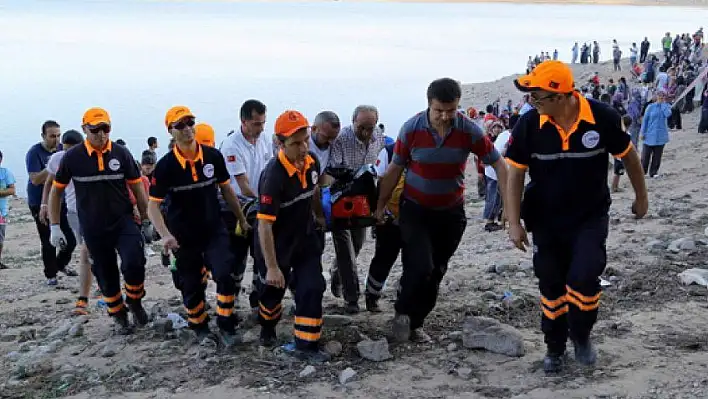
(538, 100)
(181, 125)
(99, 128)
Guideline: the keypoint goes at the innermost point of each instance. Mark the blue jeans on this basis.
(492, 201)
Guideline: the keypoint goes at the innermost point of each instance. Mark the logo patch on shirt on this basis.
(591, 139)
(378, 162)
(266, 199)
(315, 177)
(231, 158)
(114, 164)
(208, 171)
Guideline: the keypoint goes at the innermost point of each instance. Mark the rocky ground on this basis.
(652, 333)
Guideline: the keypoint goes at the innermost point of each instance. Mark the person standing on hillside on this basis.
(36, 162)
(69, 139)
(633, 52)
(666, 44)
(191, 174)
(100, 170)
(7, 188)
(246, 152)
(432, 147)
(616, 56)
(574, 52)
(595, 52)
(655, 133)
(357, 144)
(564, 146)
(644, 50)
(493, 201)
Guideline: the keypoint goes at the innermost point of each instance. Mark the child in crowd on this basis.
(493, 199)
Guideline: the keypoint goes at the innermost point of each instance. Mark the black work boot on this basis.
(585, 353)
(372, 304)
(553, 362)
(351, 307)
(312, 355)
(140, 317)
(401, 327)
(122, 323)
(268, 336)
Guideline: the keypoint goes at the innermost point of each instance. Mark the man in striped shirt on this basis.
(433, 148)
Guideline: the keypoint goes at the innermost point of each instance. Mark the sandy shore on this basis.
(651, 333)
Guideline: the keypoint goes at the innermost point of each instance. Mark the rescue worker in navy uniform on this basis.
(190, 173)
(99, 170)
(287, 240)
(563, 143)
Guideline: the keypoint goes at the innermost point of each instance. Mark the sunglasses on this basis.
(100, 128)
(181, 125)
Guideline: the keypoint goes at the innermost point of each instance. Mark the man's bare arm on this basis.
(388, 184)
(38, 178)
(245, 186)
(232, 200)
(514, 191)
(265, 234)
(6, 192)
(55, 204)
(156, 218)
(141, 199)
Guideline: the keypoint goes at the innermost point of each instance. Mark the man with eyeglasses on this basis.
(357, 144)
(564, 144)
(246, 152)
(99, 170)
(190, 174)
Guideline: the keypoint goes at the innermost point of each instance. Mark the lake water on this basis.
(138, 58)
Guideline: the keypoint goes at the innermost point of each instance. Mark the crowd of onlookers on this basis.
(658, 89)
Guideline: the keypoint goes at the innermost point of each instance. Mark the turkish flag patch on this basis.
(266, 199)
(231, 158)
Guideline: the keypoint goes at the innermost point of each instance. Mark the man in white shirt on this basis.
(246, 152)
(324, 131)
(69, 139)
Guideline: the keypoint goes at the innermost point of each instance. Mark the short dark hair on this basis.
(445, 90)
(72, 137)
(0, 154)
(121, 142)
(249, 106)
(48, 125)
(490, 108)
(148, 158)
(605, 98)
(152, 141)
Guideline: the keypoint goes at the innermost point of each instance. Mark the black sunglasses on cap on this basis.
(184, 123)
(99, 128)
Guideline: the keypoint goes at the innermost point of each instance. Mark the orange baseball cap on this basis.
(290, 122)
(551, 76)
(204, 134)
(96, 116)
(176, 113)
